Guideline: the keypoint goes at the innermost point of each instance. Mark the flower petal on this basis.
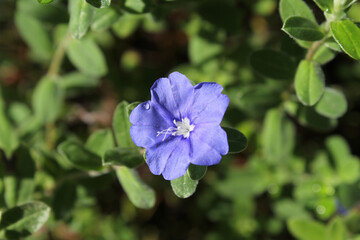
(213, 112)
(158, 155)
(178, 161)
(144, 136)
(150, 114)
(174, 94)
(208, 143)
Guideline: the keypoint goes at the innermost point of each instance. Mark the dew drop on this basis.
(147, 106)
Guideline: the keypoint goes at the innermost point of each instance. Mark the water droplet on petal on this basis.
(147, 106)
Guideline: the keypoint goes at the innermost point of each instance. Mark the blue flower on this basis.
(180, 125)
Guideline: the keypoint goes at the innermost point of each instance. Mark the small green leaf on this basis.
(24, 220)
(45, 1)
(323, 55)
(138, 192)
(100, 141)
(289, 8)
(35, 35)
(129, 157)
(126, 25)
(196, 172)
(201, 49)
(81, 15)
(325, 5)
(77, 80)
(347, 35)
(278, 136)
(136, 6)
(47, 100)
(99, 3)
(87, 57)
(273, 64)
(79, 156)
(104, 18)
(306, 229)
(332, 104)
(336, 230)
(121, 125)
(8, 138)
(184, 186)
(64, 200)
(302, 29)
(237, 141)
(309, 82)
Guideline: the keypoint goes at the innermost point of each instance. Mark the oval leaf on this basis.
(302, 29)
(196, 172)
(184, 186)
(100, 141)
(347, 35)
(103, 19)
(309, 82)
(237, 141)
(121, 125)
(81, 15)
(47, 100)
(129, 157)
(289, 8)
(138, 192)
(332, 104)
(273, 64)
(336, 230)
(79, 156)
(306, 229)
(87, 57)
(325, 5)
(24, 220)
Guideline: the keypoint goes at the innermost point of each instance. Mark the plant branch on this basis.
(58, 57)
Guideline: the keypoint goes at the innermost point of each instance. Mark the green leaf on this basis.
(47, 100)
(306, 229)
(100, 141)
(237, 141)
(202, 49)
(129, 157)
(347, 35)
(24, 220)
(126, 25)
(138, 192)
(308, 117)
(184, 186)
(332, 104)
(104, 18)
(336, 230)
(99, 3)
(10, 190)
(278, 136)
(136, 6)
(273, 64)
(77, 80)
(323, 55)
(302, 29)
(196, 172)
(79, 156)
(289, 8)
(309, 82)
(8, 138)
(325, 5)
(45, 1)
(87, 57)
(121, 125)
(34, 34)
(81, 15)
(287, 208)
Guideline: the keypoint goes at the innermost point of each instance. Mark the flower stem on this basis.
(58, 57)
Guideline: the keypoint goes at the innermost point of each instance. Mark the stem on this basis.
(59, 54)
(316, 45)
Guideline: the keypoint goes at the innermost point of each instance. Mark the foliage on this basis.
(71, 72)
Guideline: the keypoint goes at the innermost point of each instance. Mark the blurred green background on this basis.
(292, 168)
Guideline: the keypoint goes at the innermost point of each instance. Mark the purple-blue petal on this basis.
(174, 94)
(178, 161)
(208, 143)
(213, 112)
(144, 136)
(150, 114)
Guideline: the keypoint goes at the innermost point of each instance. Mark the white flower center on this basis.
(182, 128)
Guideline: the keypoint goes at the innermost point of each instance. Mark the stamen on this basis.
(182, 128)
